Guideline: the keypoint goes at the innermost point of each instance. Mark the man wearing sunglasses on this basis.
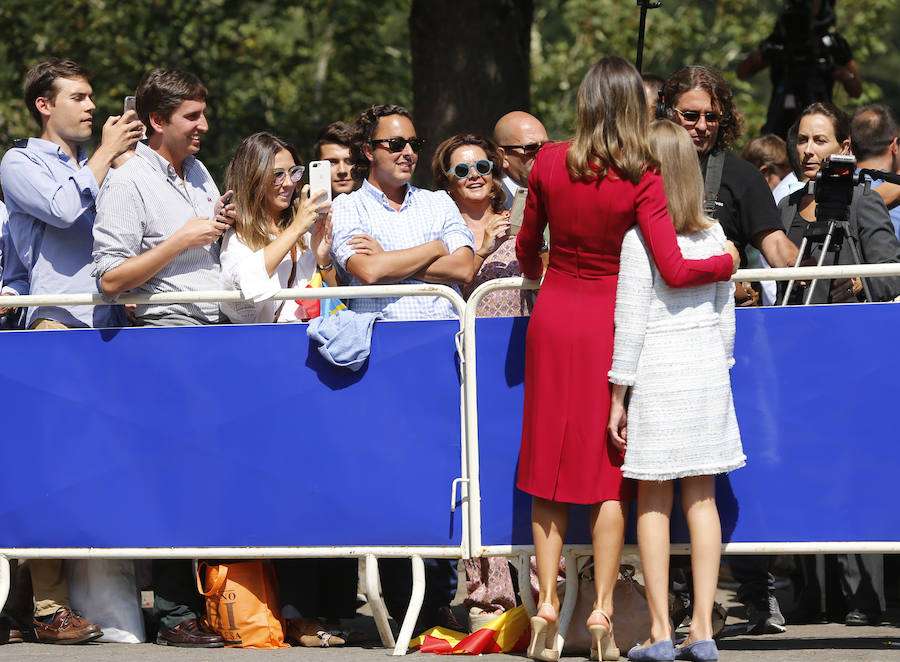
(700, 100)
(389, 231)
(520, 136)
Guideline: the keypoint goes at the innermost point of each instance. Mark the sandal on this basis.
(308, 632)
(542, 632)
(603, 646)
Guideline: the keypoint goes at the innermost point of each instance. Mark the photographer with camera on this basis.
(823, 131)
(805, 56)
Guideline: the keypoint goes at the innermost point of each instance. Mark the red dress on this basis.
(565, 454)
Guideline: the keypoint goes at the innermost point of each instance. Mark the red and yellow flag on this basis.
(508, 633)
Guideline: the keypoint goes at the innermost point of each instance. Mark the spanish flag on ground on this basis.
(508, 633)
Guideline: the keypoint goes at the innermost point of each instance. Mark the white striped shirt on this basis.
(142, 204)
(424, 216)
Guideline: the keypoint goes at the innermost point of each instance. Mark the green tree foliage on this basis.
(290, 69)
(569, 35)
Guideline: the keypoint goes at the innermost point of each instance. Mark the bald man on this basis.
(519, 136)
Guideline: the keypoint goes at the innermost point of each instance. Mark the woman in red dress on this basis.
(590, 191)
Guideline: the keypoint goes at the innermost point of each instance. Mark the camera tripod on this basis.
(830, 235)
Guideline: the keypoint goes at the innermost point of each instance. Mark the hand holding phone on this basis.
(517, 212)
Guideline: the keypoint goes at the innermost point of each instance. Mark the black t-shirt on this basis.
(747, 206)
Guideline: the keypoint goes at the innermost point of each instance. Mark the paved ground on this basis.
(821, 643)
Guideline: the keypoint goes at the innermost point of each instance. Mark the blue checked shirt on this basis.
(424, 216)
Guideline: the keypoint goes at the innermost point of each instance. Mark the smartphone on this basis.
(517, 212)
(320, 177)
(130, 104)
(227, 199)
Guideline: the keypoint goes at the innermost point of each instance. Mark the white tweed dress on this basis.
(674, 346)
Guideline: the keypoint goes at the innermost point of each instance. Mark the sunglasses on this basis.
(530, 149)
(692, 116)
(462, 169)
(396, 145)
(295, 173)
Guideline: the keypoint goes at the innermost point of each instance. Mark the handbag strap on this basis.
(291, 278)
(715, 164)
(218, 582)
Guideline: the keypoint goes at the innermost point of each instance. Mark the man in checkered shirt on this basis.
(389, 231)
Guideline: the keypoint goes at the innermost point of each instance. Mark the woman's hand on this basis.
(320, 239)
(496, 232)
(363, 244)
(618, 418)
(732, 250)
(310, 209)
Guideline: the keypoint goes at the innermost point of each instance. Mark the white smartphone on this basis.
(320, 177)
(130, 104)
(517, 212)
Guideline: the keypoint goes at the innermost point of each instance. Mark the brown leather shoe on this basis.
(10, 635)
(188, 634)
(67, 627)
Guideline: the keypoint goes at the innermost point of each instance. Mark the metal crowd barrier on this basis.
(493, 516)
(371, 479)
(808, 462)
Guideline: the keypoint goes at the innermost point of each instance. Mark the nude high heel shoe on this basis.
(603, 646)
(542, 633)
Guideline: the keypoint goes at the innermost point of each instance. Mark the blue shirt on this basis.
(424, 216)
(51, 198)
(894, 212)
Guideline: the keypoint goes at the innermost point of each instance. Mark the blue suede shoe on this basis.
(661, 651)
(704, 650)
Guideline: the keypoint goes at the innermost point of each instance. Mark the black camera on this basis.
(833, 187)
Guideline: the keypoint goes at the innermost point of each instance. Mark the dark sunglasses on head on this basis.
(295, 173)
(399, 144)
(462, 169)
(712, 117)
(530, 149)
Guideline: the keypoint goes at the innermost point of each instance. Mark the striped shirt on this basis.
(424, 216)
(142, 204)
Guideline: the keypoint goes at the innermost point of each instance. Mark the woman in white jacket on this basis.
(270, 247)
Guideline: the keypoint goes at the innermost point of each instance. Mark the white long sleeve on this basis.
(634, 294)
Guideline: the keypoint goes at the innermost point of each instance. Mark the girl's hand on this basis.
(496, 232)
(311, 208)
(321, 238)
(618, 418)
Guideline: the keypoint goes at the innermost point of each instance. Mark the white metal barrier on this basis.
(371, 554)
(521, 553)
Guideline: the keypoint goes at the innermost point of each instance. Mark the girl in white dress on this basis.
(672, 411)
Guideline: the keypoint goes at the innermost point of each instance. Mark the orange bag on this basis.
(242, 603)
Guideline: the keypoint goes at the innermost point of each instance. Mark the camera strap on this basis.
(715, 164)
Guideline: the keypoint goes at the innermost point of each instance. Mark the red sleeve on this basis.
(531, 236)
(658, 231)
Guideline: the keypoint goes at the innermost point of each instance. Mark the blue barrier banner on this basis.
(228, 436)
(815, 392)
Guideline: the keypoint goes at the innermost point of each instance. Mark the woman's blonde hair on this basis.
(250, 177)
(612, 123)
(682, 179)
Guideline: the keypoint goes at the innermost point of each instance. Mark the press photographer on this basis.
(805, 56)
(824, 131)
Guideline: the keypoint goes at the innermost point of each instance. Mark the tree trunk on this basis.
(470, 63)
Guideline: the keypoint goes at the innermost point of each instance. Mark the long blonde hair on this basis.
(612, 123)
(250, 177)
(680, 169)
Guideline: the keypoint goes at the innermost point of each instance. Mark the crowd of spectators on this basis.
(143, 214)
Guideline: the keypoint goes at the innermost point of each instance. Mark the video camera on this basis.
(833, 187)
